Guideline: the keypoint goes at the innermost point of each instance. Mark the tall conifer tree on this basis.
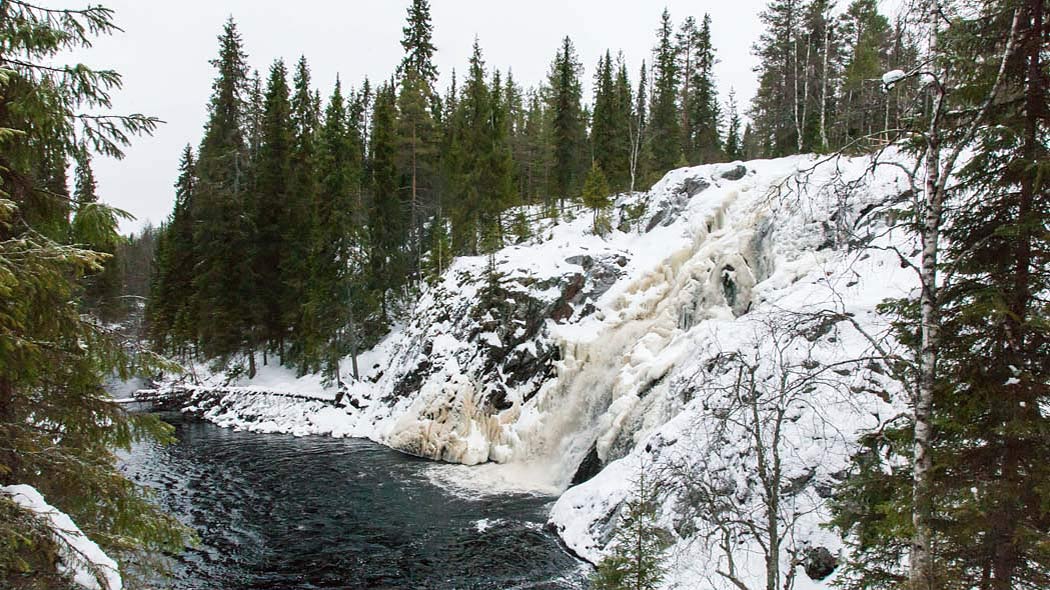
(302, 193)
(170, 313)
(223, 278)
(417, 133)
(664, 119)
(603, 118)
(386, 216)
(568, 130)
(272, 239)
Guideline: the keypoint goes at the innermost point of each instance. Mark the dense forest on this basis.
(294, 204)
(305, 224)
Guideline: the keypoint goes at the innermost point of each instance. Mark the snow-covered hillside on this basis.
(728, 300)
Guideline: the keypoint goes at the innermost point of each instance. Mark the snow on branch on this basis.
(82, 559)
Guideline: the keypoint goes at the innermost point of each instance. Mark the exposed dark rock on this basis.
(822, 327)
(411, 381)
(655, 221)
(694, 186)
(588, 468)
(819, 563)
(735, 173)
(498, 401)
(649, 386)
(729, 288)
(563, 308)
(581, 260)
(795, 485)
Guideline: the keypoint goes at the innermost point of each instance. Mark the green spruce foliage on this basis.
(664, 119)
(387, 213)
(222, 231)
(636, 560)
(596, 198)
(269, 209)
(568, 130)
(59, 428)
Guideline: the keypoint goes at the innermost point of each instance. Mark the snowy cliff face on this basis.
(729, 299)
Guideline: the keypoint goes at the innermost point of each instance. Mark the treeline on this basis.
(820, 78)
(302, 223)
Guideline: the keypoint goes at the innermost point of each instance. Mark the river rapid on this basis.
(284, 512)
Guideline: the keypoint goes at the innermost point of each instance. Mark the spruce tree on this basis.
(605, 140)
(536, 168)
(170, 313)
(496, 179)
(636, 561)
(514, 100)
(622, 123)
(774, 107)
(59, 428)
(470, 141)
(272, 238)
(568, 131)
(416, 132)
(687, 48)
(386, 214)
(298, 210)
(664, 120)
(595, 197)
(336, 244)
(734, 142)
(996, 355)
(705, 114)
(223, 279)
(867, 49)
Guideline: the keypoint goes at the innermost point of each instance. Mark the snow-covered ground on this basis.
(584, 355)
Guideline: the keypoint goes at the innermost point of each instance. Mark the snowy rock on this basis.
(735, 173)
(819, 563)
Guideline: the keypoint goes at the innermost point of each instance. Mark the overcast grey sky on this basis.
(163, 55)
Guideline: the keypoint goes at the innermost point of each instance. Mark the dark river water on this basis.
(276, 511)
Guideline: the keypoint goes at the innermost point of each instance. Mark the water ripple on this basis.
(280, 512)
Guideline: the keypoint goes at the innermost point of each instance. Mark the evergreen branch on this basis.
(989, 100)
